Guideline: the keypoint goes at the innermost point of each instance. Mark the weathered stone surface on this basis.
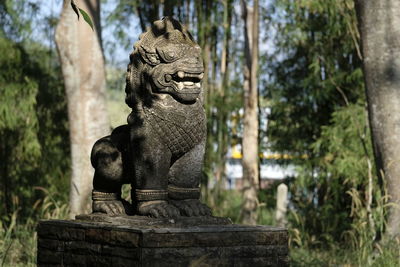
(123, 238)
(164, 141)
(128, 253)
(82, 247)
(145, 221)
(123, 262)
(68, 233)
(205, 261)
(204, 238)
(46, 256)
(160, 151)
(51, 244)
(74, 259)
(109, 244)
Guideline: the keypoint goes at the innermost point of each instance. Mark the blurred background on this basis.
(284, 98)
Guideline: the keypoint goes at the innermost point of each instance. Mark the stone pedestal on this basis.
(94, 240)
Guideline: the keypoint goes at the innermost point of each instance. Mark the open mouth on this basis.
(185, 80)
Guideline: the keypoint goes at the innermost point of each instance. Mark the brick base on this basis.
(79, 243)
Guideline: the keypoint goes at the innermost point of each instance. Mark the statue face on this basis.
(165, 60)
(179, 71)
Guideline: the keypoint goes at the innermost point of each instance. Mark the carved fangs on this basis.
(181, 74)
(184, 80)
(187, 85)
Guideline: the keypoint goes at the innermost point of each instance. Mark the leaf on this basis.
(85, 15)
(87, 18)
(75, 8)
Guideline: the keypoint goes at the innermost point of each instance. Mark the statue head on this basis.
(165, 60)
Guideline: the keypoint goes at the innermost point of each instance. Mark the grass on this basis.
(18, 237)
(228, 204)
(17, 244)
(387, 256)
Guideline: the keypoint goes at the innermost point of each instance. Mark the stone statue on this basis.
(160, 151)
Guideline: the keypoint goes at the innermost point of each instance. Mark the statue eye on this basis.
(170, 54)
(167, 55)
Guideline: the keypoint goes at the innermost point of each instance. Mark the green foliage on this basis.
(315, 90)
(228, 203)
(315, 69)
(33, 127)
(18, 130)
(387, 255)
(34, 140)
(34, 148)
(18, 240)
(318, 110)
(337, 204)
(85, 15)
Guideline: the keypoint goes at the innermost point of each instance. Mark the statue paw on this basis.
(157, 209)
(191, 207)
(112, 207)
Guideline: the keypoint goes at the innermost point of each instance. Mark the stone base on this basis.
(98, 240)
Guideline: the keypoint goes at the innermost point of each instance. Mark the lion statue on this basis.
(160, 151)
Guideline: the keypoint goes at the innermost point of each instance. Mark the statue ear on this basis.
(151, 57)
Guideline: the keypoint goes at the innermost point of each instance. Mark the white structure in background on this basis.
(269, 169)
(281, 205)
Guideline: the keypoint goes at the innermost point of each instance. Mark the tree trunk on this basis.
(203, 37)
(380, 38)
(83, 71)
(222, 109)
(250, 120)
